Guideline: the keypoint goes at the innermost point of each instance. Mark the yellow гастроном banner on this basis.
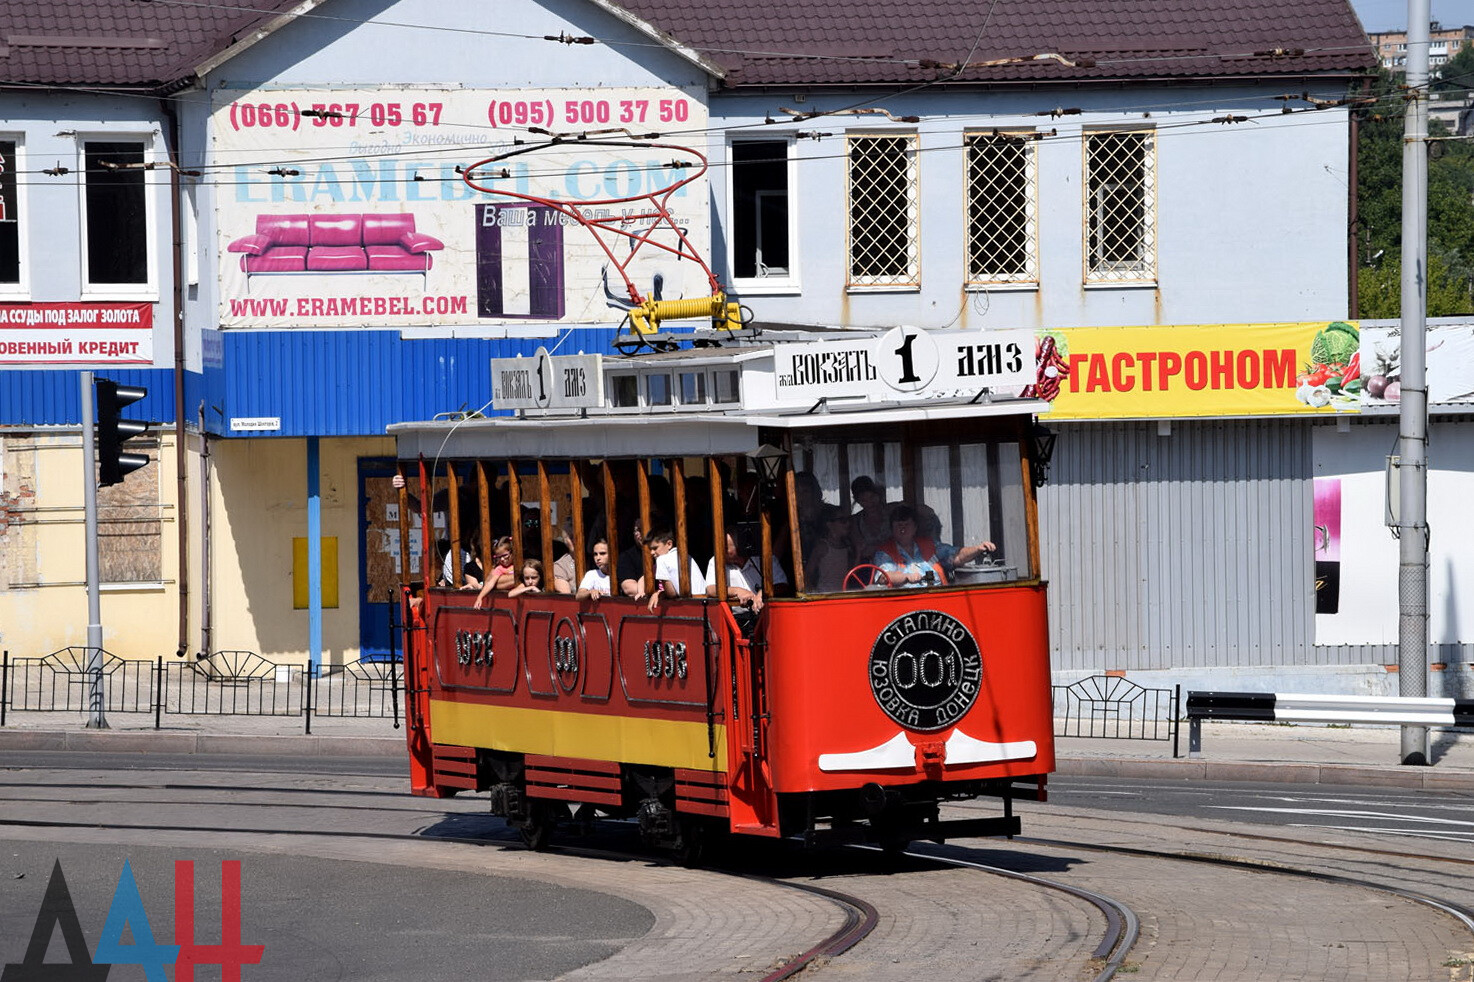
(1200, 370)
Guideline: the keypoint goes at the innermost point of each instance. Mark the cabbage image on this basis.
(1335, 345)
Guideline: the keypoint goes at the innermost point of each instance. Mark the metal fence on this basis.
(1110, 707)
(226, 683)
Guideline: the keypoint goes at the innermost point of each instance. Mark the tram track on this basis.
(859, 916)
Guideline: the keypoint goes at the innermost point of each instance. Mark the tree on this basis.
(1457, 73)
(1379, 290)
(1379, 206)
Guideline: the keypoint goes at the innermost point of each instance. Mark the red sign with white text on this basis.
(76, 334)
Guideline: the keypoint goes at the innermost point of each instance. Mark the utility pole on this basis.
(95, 718)
(1412, 523)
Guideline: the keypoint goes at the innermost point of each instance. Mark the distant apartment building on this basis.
(1444, 43)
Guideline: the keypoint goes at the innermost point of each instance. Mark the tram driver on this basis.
(911, 561)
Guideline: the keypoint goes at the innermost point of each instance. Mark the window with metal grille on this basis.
(884, 249)
(1002, 208)
(1120, 206)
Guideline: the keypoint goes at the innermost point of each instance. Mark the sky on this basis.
(1391, 15)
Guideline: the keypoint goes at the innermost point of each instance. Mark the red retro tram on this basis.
(799, 694)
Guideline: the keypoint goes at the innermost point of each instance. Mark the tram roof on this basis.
(669, 433)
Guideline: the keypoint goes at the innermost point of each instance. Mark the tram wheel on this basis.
(538, 828)
(694, 844)
(894, 846)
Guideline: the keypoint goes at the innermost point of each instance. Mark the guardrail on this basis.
(226, 683)
(1299, 707)
(1111, 707)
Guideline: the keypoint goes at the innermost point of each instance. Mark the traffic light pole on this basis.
(95, 718)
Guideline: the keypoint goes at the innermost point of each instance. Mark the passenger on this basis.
(502, 576)
(809, 500)
(471, 571)
(596, 583)
(910, 561)
(564, 569)
(630, 567)
(870, 527)
(746, 585)
(532, 579)
(832, 557)
(668, 569)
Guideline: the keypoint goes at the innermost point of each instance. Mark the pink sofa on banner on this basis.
(336, 244)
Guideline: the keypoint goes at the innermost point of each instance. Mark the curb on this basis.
(1181, 769)
(1269, 772)
(150, 742)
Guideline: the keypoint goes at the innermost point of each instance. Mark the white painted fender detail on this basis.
(899, 752)
(895, 752)
(963, 749)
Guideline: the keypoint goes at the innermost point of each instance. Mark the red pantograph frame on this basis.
(658, 216)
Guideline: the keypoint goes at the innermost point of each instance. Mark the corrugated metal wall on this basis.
(1191, 549)
(53, 397)
(355, 383)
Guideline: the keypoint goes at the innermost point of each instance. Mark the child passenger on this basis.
(668, 569)
(532, 579)
(502, 575)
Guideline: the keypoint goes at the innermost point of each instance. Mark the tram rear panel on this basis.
(901, 687)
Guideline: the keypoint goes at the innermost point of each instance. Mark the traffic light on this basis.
(112, 463)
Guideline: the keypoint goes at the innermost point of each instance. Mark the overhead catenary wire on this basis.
(1202, 126)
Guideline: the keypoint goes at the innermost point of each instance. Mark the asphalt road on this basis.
(1392, 813)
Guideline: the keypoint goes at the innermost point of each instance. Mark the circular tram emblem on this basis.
(925, 670)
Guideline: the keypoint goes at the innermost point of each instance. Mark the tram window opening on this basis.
(959, 494)
(624, 391)
(726, 387)
(693, 388)
(658, 389)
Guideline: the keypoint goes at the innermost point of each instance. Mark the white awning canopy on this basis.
(669, 433)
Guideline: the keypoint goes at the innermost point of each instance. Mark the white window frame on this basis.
(910, 280)
(1122, 274)
(153, 200)
(1029, 279)
(788, 282)
(21, 288)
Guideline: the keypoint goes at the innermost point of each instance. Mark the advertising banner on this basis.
(347, 208)
(76, 334)
(1450, 364)
(1170, 371)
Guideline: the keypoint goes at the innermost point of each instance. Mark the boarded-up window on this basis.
(129, 526)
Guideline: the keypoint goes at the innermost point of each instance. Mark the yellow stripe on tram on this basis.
(658, 742)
